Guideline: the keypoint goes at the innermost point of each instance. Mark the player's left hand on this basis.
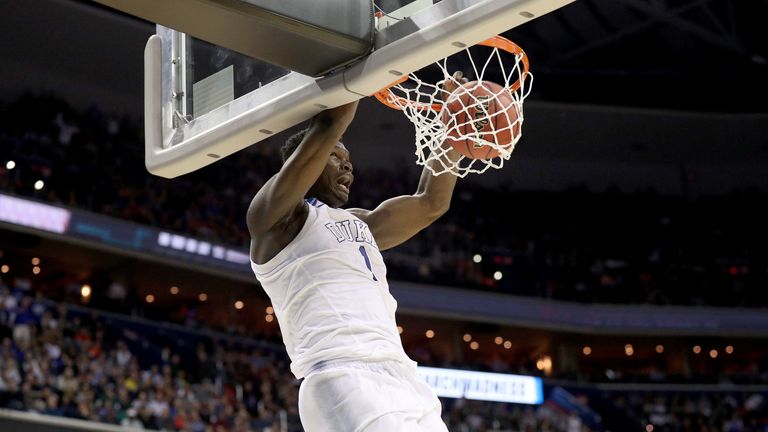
(447, 87)
(450, 84)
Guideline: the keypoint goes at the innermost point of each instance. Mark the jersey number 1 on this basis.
(367, 261)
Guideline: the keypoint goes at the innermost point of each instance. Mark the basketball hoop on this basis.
(439, 117)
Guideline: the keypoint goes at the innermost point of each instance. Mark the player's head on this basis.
(332, 187)
(292, 143)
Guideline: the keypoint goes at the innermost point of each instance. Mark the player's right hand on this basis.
(342, 115)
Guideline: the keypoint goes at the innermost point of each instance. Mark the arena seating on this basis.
(575, 245)
(77, 362)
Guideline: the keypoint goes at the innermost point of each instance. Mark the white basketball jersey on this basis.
(329, 290)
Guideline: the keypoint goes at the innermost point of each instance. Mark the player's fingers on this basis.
(452, 83)
(455, 81)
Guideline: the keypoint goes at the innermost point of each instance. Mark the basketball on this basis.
(480, 111)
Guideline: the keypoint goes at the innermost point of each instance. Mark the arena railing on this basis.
(144, 242)
(11, 420)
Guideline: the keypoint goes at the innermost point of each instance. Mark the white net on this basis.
(475, 127)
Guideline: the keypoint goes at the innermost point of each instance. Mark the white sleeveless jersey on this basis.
(329, 290)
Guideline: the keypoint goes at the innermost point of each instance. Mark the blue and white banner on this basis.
(496, 387)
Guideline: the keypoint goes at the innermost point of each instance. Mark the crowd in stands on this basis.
(476, 416)
(65, 361)
(702, 412)
(70, 361)
(83, 365)
(654, 411)
(573, 245)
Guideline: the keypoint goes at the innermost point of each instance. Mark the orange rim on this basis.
(397, 102)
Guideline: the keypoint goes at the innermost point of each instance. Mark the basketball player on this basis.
(322, 268)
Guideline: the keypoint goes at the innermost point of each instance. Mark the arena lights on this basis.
(498, 340)
(477, 259)
(713, 353)
(10, 165)
(474, 345)
(239, 305)
(174, 290)
(202, 297)
(629, 349)
(35, 261)
(495, 387)
(696, 349)
(39, 185)
(659, 348)
(497, 275)
(507, 344)
(430, 334)
(544, 363)
(467, 337)
(85, 291)
(5, 269)
(587, 350)
(729, 349)
(400, 329)
(150, 298)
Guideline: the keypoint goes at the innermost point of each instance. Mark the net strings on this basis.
(431, 132)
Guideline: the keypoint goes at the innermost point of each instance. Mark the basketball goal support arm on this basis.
(314, 37)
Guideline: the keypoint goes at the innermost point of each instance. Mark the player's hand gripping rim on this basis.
(448, 156)
(450, 84)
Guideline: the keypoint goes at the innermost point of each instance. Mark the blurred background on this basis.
(620, 255)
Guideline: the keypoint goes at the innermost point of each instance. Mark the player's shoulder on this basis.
(321, 207)
(359, 213)
(266, 246)
(314, 202)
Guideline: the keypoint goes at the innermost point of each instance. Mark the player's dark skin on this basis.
(321, 165)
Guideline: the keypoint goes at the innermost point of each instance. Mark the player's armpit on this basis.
(398, 219)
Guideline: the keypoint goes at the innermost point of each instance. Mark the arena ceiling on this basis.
(690, 55)
(693, 55)
(654, 82)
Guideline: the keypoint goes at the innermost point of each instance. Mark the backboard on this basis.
(205, 102)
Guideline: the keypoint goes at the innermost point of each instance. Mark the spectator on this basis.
(572, 245)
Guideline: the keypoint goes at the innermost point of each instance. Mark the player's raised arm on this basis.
(282, 193)
(397, 219)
